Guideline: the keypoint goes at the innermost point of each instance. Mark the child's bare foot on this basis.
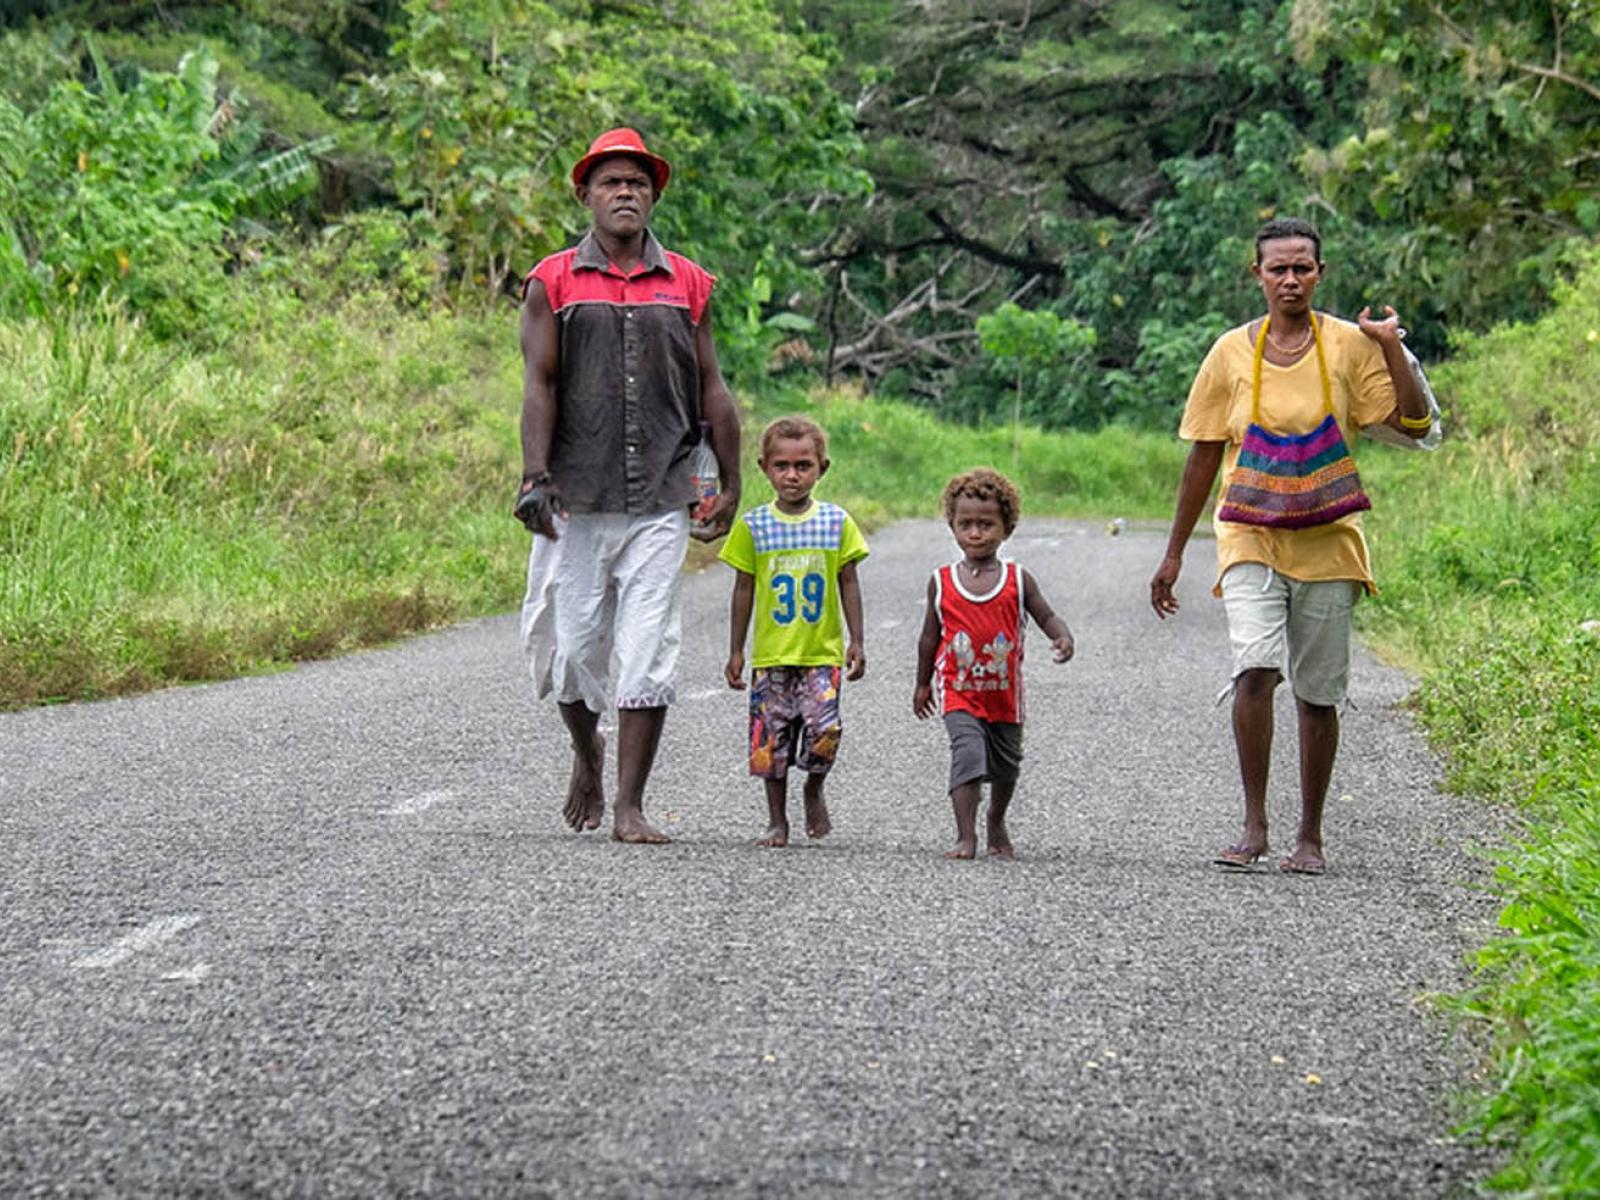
(586, 798)
(631, 827)
(1000, 841)
(775, 838)
(818, 823)
(965, 848)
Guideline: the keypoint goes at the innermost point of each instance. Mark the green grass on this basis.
(322, 483)
(334, 479)
(892, 460)
(1489, 557)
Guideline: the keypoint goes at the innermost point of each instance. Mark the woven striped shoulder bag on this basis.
(1291, 481)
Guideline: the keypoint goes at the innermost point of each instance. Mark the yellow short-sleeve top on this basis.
(1218, 410)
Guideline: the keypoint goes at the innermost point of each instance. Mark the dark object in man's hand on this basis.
(535, 506)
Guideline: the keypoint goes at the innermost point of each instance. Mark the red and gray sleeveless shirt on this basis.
(980, 645)
(628, 396)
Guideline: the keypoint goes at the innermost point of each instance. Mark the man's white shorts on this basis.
(1299, 629)
(603, 604)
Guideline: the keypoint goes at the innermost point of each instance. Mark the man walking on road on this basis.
(619, 372)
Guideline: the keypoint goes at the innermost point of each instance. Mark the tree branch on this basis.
(1582, 85)
(1033, 266)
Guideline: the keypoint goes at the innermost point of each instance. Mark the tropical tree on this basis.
(131, 191)
(486, 103)
(1478, 149)
(1023, 153)
(1108, 162)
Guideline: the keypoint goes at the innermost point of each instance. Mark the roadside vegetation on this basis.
(319, 484)
(333, 479)
(1490, 560)
(259, 377)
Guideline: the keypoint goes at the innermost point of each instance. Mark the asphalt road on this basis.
(323, 933)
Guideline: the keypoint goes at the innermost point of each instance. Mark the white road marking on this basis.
(192, 974)
(707, 694)
(416, 804)
(162, 929)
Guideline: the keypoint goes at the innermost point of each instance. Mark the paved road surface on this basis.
(322, 933)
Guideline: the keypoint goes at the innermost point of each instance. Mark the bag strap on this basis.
(1255, 375)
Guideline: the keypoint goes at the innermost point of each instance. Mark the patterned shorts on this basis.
(794, 717)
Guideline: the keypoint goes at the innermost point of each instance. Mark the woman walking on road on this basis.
(1273, 406)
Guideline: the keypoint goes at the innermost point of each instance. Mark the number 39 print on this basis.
(812, 588)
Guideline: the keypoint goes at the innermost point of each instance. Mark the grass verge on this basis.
(334, 479)
(1490, 561)
(324, 482)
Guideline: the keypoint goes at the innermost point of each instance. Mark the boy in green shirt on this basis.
(795, 563)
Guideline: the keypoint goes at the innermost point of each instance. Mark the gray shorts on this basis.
(982, 750)
(1299, 629)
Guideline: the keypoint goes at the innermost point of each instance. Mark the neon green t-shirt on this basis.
(796, 561)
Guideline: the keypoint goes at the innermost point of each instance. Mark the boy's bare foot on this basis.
(1000, 841)
(631, 827)
(586, 798)
(964, 849)
(775, 838)
(818, 823)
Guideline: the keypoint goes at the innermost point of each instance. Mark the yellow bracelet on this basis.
(1416, 422)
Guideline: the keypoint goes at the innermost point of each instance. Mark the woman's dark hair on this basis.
(1289, 227)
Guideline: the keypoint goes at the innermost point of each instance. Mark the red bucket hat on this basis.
(622, 141)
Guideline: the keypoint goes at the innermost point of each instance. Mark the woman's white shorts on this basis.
(604, 606)
(1299, 629)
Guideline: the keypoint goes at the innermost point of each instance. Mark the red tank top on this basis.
(980, 645)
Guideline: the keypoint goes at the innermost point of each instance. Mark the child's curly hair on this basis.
(984, 483)
(795, 427)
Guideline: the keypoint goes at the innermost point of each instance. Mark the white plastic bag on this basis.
(706, 474)
(1382, 432)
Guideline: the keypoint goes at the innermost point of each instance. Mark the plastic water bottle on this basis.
(703, 473)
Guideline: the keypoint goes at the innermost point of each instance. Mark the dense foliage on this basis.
(1492, 586)
(132, 190)
(870, 179)
(467, 115)
(1109, 162)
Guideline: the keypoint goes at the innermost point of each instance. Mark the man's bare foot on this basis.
(818, 823)
(775, 838)
(964, 849)
(631, 827)
(586, 797)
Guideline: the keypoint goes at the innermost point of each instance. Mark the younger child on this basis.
(972, 635)
(795, 560)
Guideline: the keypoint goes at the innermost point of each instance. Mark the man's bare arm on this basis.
(541, 368)
(720, 411)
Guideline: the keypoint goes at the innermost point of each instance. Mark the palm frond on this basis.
(280, 177)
